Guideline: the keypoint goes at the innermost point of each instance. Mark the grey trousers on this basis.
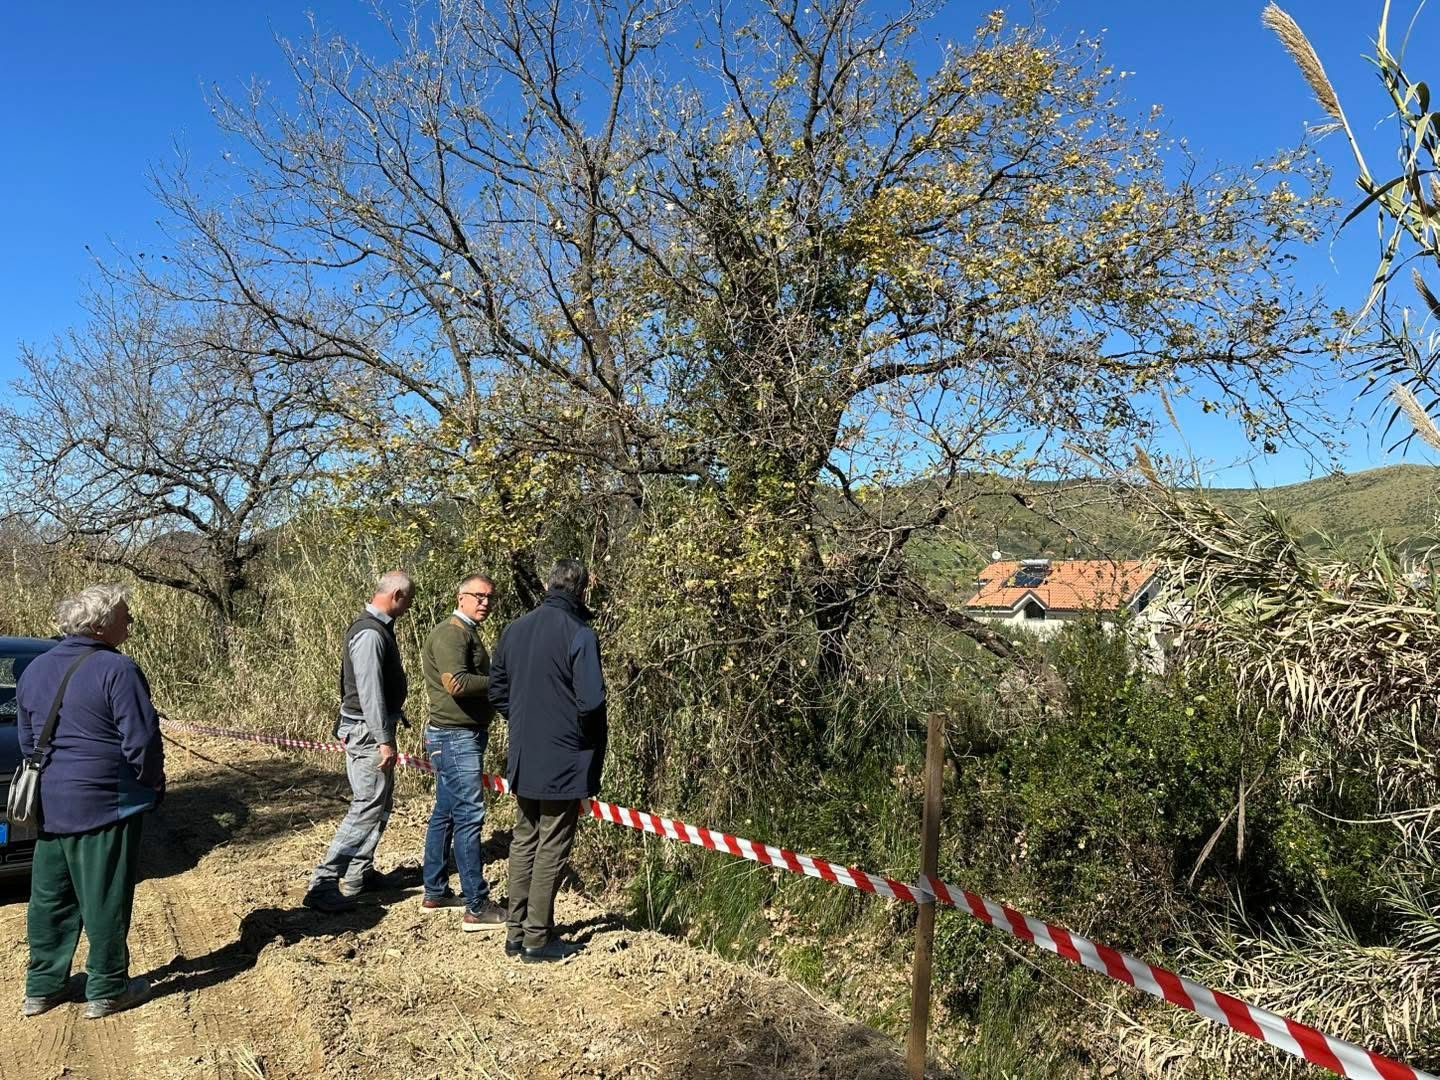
(539, 852)
(352, 852)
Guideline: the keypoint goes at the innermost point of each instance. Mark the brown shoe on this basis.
(489, 917)
(441, 903)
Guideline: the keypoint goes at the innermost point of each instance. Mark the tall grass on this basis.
(278, 671)
(1092, 812)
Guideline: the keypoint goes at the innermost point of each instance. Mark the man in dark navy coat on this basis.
(545, 678)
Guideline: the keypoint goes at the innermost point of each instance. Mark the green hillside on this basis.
(1398, 502)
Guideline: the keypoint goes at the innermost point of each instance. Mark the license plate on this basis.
(4, 832)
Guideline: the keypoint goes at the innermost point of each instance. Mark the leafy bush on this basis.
(1092, 811)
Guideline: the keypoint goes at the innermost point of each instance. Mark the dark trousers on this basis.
(539, 851)
(85, 880)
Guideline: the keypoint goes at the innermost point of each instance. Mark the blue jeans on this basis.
(458, 756)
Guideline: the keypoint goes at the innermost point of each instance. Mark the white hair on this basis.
(394, 581)
(91, 610)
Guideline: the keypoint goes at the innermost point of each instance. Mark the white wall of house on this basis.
(1044, 628)
(1149, 628)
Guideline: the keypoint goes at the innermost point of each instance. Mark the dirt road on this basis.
(250, 984)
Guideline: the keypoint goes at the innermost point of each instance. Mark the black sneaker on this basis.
(136, 993)
(551, 953)
(514, 948)
(374, 881)
(328, 900)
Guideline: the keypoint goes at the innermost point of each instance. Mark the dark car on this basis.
(17, 844)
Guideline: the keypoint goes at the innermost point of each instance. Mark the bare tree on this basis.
(166, 445)
(789, 276)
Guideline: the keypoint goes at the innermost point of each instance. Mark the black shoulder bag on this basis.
(23, 806)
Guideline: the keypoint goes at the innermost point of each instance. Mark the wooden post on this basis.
(925, 930)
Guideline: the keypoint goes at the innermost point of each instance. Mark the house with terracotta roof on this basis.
(1043, 594)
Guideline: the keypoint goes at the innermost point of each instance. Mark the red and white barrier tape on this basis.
(1301, 1040)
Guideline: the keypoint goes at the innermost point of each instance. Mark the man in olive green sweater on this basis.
(457, 680)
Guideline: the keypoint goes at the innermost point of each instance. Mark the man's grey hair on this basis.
(394, 581)
(91, 610)
(570, 576)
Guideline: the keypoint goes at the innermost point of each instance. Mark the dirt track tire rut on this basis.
(249, 985)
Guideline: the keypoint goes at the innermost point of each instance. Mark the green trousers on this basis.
(85, 880)
(539, 850)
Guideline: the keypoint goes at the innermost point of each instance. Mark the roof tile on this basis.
(1071, 585)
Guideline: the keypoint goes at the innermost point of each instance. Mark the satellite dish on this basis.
(996, 556)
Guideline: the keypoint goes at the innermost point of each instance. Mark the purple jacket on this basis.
(106, 761)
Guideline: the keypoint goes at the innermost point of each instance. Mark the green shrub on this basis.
(1092, 812)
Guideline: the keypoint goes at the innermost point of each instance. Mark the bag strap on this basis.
(48, 732)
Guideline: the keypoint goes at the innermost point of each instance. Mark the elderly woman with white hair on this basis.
(103, 768)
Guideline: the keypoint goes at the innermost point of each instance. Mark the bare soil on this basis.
(249, 984)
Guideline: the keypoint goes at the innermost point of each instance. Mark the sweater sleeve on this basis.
(138, 723)
(450, 649)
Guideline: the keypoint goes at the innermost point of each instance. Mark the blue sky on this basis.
(92, 95)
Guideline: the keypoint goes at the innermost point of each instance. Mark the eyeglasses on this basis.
(478, 595)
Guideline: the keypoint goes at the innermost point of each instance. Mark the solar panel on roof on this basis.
(1028, 579)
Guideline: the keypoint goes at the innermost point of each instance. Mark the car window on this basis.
(8, 675)
(11, 668)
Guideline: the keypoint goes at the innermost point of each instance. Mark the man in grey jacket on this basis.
(372, 693)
